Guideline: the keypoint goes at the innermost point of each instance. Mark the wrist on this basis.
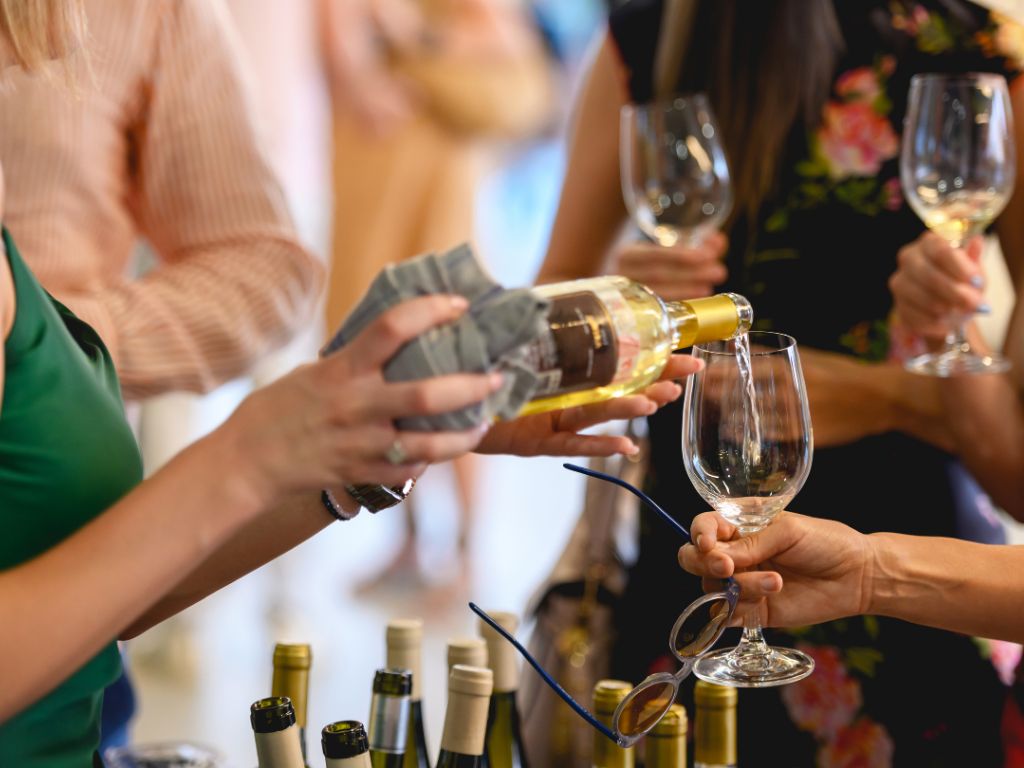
(884, 583)
(247, 481)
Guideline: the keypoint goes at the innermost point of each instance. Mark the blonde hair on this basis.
(40, 31)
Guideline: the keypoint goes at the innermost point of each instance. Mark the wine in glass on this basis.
(675, 179)
(747, 446)
(957, 168)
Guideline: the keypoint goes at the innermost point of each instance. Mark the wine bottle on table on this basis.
(504, 742)
(608, 694)
(389, 717)
(666, 743)
(404, 640)
(276, 734)
(345, 745)
(714, 726)
(465, 720)
(610, 336)
(292, 662)
(467, 651)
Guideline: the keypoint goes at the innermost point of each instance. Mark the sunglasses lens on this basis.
(648, 705)
(699, 630)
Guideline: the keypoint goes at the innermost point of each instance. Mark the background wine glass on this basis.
(747, 447)
(675, 179)
(957, 168)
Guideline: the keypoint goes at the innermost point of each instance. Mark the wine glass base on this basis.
(782, 667)
(956, 363)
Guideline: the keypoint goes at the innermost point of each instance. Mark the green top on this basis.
(66, 455)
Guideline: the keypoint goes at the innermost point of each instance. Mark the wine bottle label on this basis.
(591, 342)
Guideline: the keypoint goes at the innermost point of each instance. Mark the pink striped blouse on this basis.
(158, 143)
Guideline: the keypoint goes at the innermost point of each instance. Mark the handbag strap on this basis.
(673, 42)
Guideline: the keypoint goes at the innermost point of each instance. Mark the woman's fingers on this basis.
(382, 338)
(681, 366)
(441, 394)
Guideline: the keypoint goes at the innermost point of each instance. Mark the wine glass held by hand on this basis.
(747, 446)
(696, 630)
(675, 178)
(958, 169)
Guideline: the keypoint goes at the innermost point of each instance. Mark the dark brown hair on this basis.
(764, 64)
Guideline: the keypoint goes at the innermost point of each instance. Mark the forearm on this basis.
(986, 419)
(66, 604)
(961, 586)
(207, 318)
(271, 535)
(590, 211)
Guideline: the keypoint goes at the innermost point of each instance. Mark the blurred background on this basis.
(489, 529)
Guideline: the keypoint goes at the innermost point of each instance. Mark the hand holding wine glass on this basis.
(957, 168)
(747, 447)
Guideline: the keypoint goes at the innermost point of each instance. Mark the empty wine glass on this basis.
(747, 446)
(957, 168)
(675, 179)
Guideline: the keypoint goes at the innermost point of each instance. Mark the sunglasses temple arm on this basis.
(651, 503)
(566, 697)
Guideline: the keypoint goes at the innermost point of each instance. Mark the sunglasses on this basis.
(695, 632)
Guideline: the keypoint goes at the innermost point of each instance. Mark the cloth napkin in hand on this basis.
(490, 336)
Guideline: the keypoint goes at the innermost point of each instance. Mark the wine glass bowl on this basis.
(747, 447)
(675, 179)
(957, 170)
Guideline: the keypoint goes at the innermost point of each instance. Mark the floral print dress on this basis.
(816, 265)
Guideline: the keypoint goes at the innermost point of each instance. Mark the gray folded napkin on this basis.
(489, 337)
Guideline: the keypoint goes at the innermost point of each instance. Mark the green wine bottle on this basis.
(405, 651)
(465, 721)
(467, 651)
(714, 726)
(504, 742)
(291, 679)
(345, 745)
(389, 717)
(666, 743)
(608, 694)
(276, 734)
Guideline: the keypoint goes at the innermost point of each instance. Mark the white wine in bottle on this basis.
(276, 734)
(608, 694)
(405, 651)
(291, 679)
(345, 745)
(467, 651)
(714, 726)
(666, 742)
(610, 336)
(389, 717)
(504, 742)
(465, 720)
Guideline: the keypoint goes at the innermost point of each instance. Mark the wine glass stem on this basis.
(752, 654)
(956, 339)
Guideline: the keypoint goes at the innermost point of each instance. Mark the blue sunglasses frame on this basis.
(730, 595)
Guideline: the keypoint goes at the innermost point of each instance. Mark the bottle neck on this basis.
(713, 318)
(416, 742)
(455, 760)
(359, 761)
(279, 749)
(715, 737)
